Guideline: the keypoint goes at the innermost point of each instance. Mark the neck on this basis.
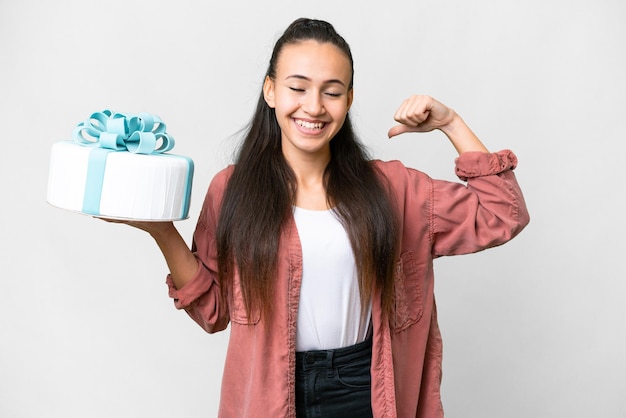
(308, 167)
(309, 172)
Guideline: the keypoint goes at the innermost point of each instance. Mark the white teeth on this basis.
(310, 125)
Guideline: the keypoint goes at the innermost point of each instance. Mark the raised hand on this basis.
(421, 113)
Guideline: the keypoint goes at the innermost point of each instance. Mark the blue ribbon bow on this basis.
(142, 133)
(108, 132)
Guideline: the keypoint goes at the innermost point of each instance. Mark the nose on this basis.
(313, 104)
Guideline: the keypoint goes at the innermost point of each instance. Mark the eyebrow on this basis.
(305, 78)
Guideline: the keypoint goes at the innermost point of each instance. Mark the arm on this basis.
(486, 212)
(201, 298)
(182, 264)
(490, 210)
(193, 279)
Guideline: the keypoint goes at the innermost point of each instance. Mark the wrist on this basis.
(162, 231)
(454, 125)
(461, 136)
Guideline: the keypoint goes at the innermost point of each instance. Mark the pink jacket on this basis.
(439, 218)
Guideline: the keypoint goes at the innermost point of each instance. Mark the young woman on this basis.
(320, 259)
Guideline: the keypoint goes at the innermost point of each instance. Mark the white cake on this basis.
(119, 184)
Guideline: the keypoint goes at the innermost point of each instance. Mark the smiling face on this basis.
(311, 96)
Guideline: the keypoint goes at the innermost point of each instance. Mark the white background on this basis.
(535, 328)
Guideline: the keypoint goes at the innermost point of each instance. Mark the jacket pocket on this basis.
(238, 313)
(408, 305)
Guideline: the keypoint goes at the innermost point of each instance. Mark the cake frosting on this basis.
(117, 166)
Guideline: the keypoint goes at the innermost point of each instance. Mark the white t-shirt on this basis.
(329, 314)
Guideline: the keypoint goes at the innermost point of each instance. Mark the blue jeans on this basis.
(334, 383)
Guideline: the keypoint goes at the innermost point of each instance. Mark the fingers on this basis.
(414, 111)
(421, 113)
(150, 227)
(412, 114)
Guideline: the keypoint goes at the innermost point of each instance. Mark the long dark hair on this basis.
(261, 192)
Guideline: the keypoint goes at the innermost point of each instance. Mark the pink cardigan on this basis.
(438, 217)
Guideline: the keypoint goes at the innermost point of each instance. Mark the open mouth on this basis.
(310, 126)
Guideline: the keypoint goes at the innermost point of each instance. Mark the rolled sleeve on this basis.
(197, 286)
(478, 164)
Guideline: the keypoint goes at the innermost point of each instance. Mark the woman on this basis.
(320, 259)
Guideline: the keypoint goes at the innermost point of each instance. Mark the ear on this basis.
(268, 92)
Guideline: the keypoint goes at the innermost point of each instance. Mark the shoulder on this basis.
(406, 185)
(411, 191)
(220, 180)
(223, 175)
(396, 173)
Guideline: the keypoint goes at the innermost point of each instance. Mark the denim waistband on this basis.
(317, 359)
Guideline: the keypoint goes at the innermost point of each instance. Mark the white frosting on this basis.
(135, 186)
